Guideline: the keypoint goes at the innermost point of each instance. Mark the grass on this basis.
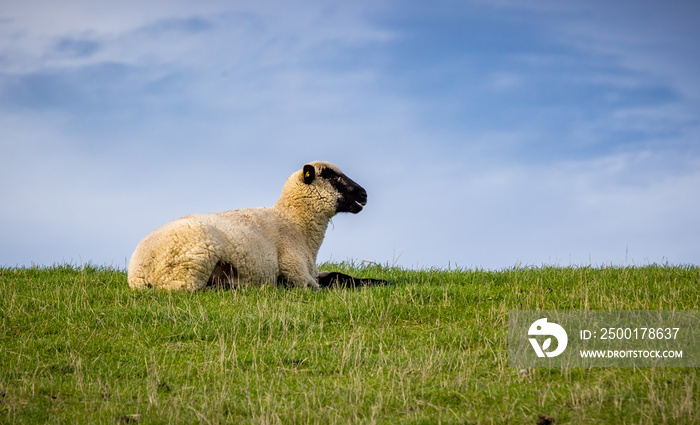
(78, 346)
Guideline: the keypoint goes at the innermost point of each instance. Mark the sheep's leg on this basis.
(335, 279)
(223, 276)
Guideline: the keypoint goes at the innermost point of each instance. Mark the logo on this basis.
(540, 328)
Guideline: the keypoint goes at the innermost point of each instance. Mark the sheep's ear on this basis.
(309, 173)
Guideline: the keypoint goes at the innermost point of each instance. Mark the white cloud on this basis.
(584, 212)
(166, 33)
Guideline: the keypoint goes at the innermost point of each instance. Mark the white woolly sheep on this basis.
(252, 246)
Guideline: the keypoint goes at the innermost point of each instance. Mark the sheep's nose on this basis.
(362, 197)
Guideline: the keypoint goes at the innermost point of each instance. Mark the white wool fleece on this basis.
(263, 245)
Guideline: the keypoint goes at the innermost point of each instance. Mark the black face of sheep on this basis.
(351, 196)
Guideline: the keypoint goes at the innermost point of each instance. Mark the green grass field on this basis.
(78, 346)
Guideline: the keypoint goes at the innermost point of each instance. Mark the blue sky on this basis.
(487, 133)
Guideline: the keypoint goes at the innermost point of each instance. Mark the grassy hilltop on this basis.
(78, 346)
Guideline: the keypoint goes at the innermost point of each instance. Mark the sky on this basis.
(488, 134)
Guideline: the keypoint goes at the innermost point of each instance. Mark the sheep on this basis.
(253, 246)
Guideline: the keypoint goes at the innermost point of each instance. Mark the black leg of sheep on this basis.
(340, 280)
